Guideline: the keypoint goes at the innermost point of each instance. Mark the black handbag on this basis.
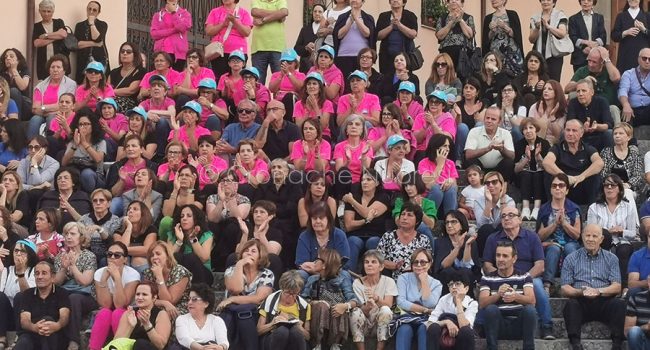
(70, 41)
(415, 58)
(469, 60)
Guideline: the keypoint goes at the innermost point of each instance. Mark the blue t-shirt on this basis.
(12, 107)
(640, 263)
(7, 155)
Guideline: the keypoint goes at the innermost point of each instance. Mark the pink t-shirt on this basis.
(196, 78)
(235, 41)
(131, 169)
(173, 78)
(260, 167)
(355, 160)
(218, 165)
(445, 121)
(150, 105)
(368, 104)
(162, 169)
(182, 134)
(206, 112)
(54, 126)
(285, 85)
(82, 93)
(332, 75)
(262, 96)
(117, 124)
(378, 132)
(427, 168)
(414, 109)
(51, 95)
(238, 85)
(300, 112)
(325, 151)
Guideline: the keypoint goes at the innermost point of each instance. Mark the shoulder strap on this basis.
(229, 29)
(270, 312)
(638, 77)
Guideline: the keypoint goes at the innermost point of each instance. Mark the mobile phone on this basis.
(135, 308)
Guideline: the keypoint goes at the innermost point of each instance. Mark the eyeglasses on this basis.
(492, 182)
(174, 153)
(509, 216)
(290, 293)
(126, 51)
(451, 222)
(364, 57)
(85, 124)
(645, 59)
(193, 57)
(195, 299)
(455, 285)
(114, 255)
(33, 147)
(99, 200)
(19, 251)
(610, 185)
(245, 111)
(441, 64)
(420, 262)
(559, 185)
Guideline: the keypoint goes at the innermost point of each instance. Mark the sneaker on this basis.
(534, 213)
(459, 164)
(340, 211)
(335, 347)
(525, 214)
(547, 334)
(317, 347)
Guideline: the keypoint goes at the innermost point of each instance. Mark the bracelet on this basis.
(149, 330)
(179, 243)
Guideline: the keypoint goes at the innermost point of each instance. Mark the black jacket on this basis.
(578, 30)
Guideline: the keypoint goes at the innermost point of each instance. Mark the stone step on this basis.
(591, 330)
(558, 344)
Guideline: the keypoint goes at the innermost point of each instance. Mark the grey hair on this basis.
(374, 253)
(291, 280)
(350, 119)
(250, 102)
(582, 127)
(281, 161)
(84, 232)
(587, 81)
(45, 4)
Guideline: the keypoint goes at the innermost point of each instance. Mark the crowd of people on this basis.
(320, 192)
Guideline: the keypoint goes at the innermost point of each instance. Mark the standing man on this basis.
(587, 31)
(268, 35)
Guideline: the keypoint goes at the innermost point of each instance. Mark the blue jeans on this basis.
(552, 260)
(516, 134)
(263, 59)
(423, 229)
(35, 125)
(90, 180)
(517, 325)
(637, 339)
(405, 333)
(444, 199)
(162, 134)
(357, 246)
(461, 138)
(542, 304)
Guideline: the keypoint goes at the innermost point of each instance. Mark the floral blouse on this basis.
(394, 250)
(214, 199)
(175, 276)
(86, 261)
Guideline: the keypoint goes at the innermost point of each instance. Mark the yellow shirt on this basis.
(290, 310)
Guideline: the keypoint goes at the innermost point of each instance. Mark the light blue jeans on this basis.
(552, 255)
(90, 180)
(444, 199)
(637, 339)
(542, 303)
(405, 333)
(35, 124)
(461, 138)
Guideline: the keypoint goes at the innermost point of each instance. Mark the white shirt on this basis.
(9, 282)
(634, 12)
(129, 274)
(188, 332)
(478, 138)
(446, 305)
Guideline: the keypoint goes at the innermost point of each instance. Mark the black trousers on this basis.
(608, 310)
(641, 116)
(464, 338)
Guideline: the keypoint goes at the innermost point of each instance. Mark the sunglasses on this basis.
(126, 51)
(509, 216)
(610, 185)
(645, 59)
(560, 185)
(245, 111)
(92, 71)
(33, 147)
(114, 255)
(492, 182)
(440, 64)
(99, 200)
(193, 57)
(420, 262)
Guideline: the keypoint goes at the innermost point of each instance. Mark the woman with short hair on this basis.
(47, 37)
(200, 328)
(107, 223)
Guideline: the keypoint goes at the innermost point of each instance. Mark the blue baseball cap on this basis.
(106, 101)
(237, 54)
(438, 95)
(96, 66)
(328, 49)
(407, 86)
(358, 74)
(315, 76)
(193, 105)
(158, 77)
(28, 244)
(395, 139)
(289, 55)
(137, 110)
(208, 83)
(252, 71)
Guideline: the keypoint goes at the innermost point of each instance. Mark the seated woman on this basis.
(37, 169)
(412, 190)
(390, 83)
(376, 294)
(224, 208)
(87, 150)
(312, 153)
(159, 109)
(352, 155)
(215, 110)
(16, 200)
(456, 252)
(192, 241)
(208, 164)
(114, 287)
(186, 185)
(200, 328)
(138, 125)
(365, 215)
(407, 105)
(172, 279)
(252, 90)
(531, 81)
(13, 145)
(418, 295)
(332, 76)
(66, 194)
(492, 77)
(439, 173)
(434, 121)
(529, 154)
(17, 275)
(94, 87)
(138, 234)
(314, 105)
(251, 167)
(162, 63)
(443, 76)
(175, 155)
(75, 267)
(114, 125)
(619, 221)
(285, 317)
(145, 182)
(331, 296)
(149, 325)
(624, 160)
(13, 67)
(358, 101)
(188, 134)
(391, 123)
(47, 241)
(107, 222)
(317, 191)
(248, 284)
(512, 110)
(321, 233)
(8, 236)
(194, 72)
(550, 111)
(287, 83)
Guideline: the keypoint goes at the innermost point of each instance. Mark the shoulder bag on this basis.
(214, 50)
(469, 59)
(70, 41)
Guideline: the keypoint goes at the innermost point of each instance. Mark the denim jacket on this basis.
(342, 282)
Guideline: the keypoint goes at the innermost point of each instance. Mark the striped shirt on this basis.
(518, 281)
(580, 269)
(639, 306)
(624, 215)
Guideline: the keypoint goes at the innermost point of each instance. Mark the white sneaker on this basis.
(335, 347)
(525, 214)
(533, 215)
(317, 347)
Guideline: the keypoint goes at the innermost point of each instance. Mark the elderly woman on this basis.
(439, 173)
(320, 233)
(107, 223)
(145, 185)
(365, 215)
(487, 208)
(502, 33)
(158, 109)
(392, 169)
(619, 221)
(285, 316)
(529, 154)
(66, 194)
(17, 275)
(625, 161)
(418, 294)
(353, 31)
(199, 328)
(162, 63)
(396, 29)
(308, 37)
(630, 31)
(443, 76)
(114, 287)
(352, 155)
(314, 105)
(193, 74)
(94, 87)
(13, 67)
(262, 229)
(248, 284)
(332, 76)
(87, 149)
(15, 199)
(169, 28)
(13, 145)
(456, 252)
(75, 267)
(550, 111)
(435, 120)
(48, 242)
(47, 36)
(138, 234)
(376, 293)
(358, 101)
(126, 78)
(454, 32)
(172, 278)
(367, 58)
(558, 225)
(91, 34)
(531, 82)
(185, 188)
(550, 21)
(407, 104)
(331, 296)
(146, 322)
(316, 191)
(230, 25)
(46, 93)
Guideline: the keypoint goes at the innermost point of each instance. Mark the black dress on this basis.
(629, 47)
(42, 71)
(306, 36)
(84, 56)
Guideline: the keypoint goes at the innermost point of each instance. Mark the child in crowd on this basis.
(471, 193)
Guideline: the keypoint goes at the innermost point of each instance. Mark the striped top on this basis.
(518, 281)
(624, 215)
(580, 269)
(639, 306)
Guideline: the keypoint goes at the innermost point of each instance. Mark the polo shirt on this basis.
(644, 212)
(529, 248)
(604, 86)
(572, 164)
(277, 141)
(580, 269)
(639, 306)
(40, 308)
(640, 263)
(235, 132)
(518, 281)
(597, 110)
(478, 138)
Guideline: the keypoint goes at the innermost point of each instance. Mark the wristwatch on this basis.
(20, 275)
(194, 240)
(608, 61)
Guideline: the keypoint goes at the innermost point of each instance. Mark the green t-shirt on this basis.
(187, 248)
(270, 36)
(604, 87)
(428, 207)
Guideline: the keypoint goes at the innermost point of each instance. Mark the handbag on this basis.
(415, 58)
(469, 60)
(70, 41)
(446, 340)
(215, 49)
(561, 47)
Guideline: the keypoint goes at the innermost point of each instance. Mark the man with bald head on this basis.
(634, 91)
(580, 161)
(591, 279)
(276, 136)
(593, 112)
